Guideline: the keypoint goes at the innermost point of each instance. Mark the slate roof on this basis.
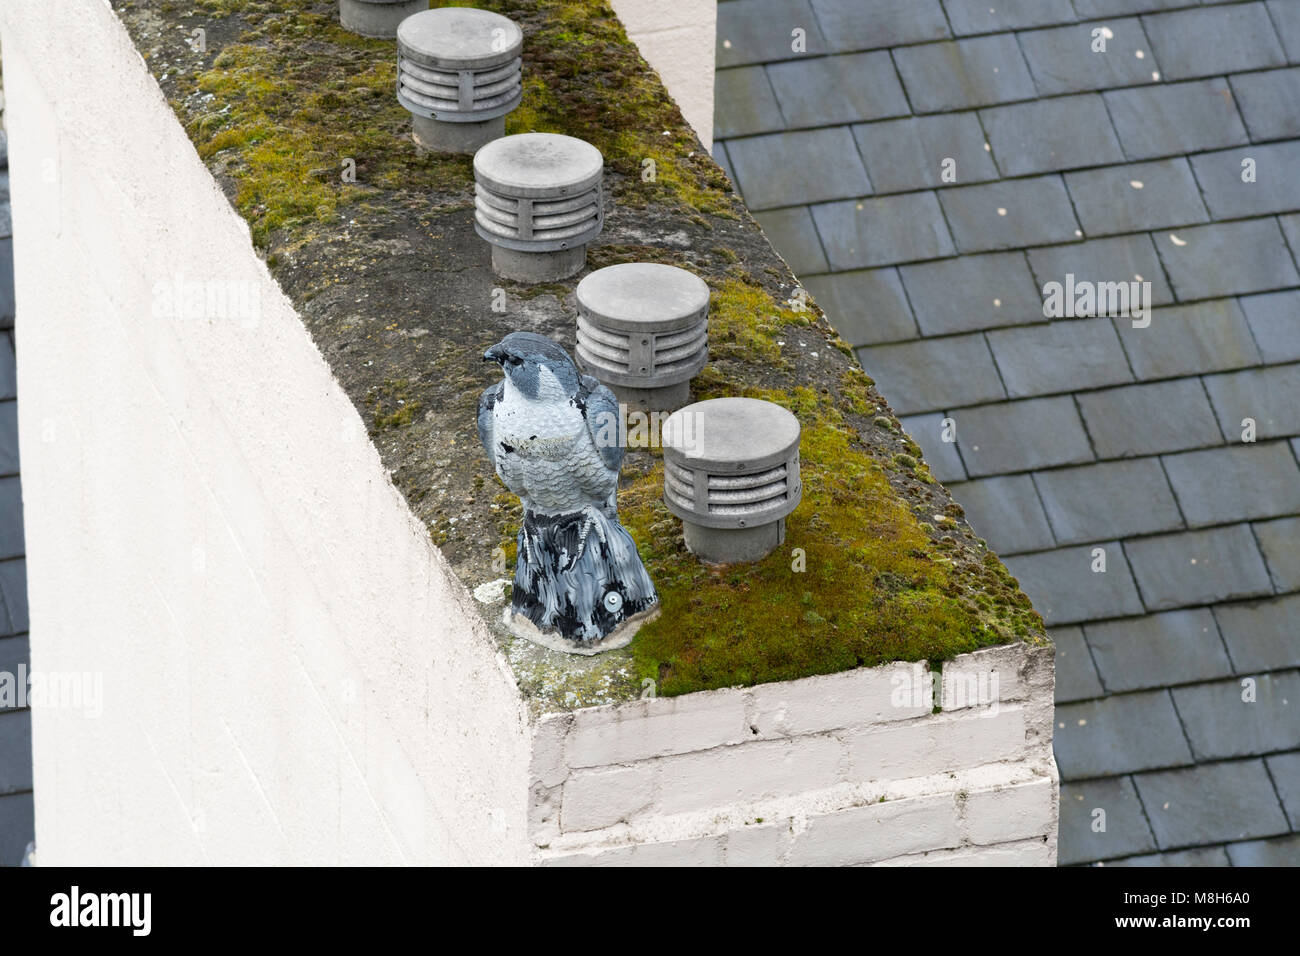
(1077, 434)
(16, 822)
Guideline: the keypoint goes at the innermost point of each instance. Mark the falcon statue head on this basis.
(536, 366)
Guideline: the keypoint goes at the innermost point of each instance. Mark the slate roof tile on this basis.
(930, 374)
(1167, 120)
(867, 306)
(13, 587)
(15, 751)
(1047, 135)
(1280, 542)
(1006, 513)
(1281, 851)
(1198, 567)
(1285, 771)
(16, 827)
(1269, 102)
(1268, 395)
(1106, 8)
(1138, 420)
(1126, 829)
(1226, 258)
(1272, 318)
(745, 101)
(870, 24)
(838, 89)
(1108, 499)
(982, 16)
(1175, 647)
(1009, 214)
(958, 74)
(1076, 676)
(1022, 435)
(997, 290)
(758, 31)
(1286, 19)
(11, 517)
(13, 652)
(793, 234)
(883, 230)
(1064, 60)
(1261, 635)
(1213, 40)
(1237, 483)
(8, 438)
(785, 169)
(1212, 803)
(1066, 590)
(1220, 724)
(1114, 259)
(1119, 734)
(8, 369)
(909, 153)
(1275, 188)
(1136, 198)
(1211, 336)
(928, 432)
(1059, 356)
(1198, 856)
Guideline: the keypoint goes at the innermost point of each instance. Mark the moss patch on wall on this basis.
(394, 285)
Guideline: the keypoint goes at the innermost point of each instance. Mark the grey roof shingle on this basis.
(758, 31)
(838, 89)
(910, 153)
(981, 16)
(882, 230)
(1076, 675)
(746, 103)
(1261, 635)
(1137, 197)
(1269, 102)
(1223, 721)
(1108, 499)
(1186, 807)
(1005, 511)
(1214, 40)
(1059, 356)
(1066, 60)
(959, 74)
(1009, 214)
(1175, 647)
(1068, 586)
(1028, 158)
(1179, 118)
(1198, 567)
(1119, 734)
(786, 169)
(1210, 336)
(1043, 136)
(913, 373)
(1223, 485)
(1125, 829)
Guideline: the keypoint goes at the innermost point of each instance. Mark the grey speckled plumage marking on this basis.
(552, 436)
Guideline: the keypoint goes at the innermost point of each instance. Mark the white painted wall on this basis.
(677, 38)
(291, 673)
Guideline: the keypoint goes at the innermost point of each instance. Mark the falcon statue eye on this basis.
(613, 601)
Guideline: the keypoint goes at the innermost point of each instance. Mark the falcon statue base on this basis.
(579, 585)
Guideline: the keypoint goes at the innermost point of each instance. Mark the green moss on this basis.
(391, 404)
(296, 100)
(869, 590)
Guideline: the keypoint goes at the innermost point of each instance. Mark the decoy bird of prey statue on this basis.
(552, 435)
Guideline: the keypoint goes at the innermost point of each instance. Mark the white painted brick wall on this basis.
(844, 769)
